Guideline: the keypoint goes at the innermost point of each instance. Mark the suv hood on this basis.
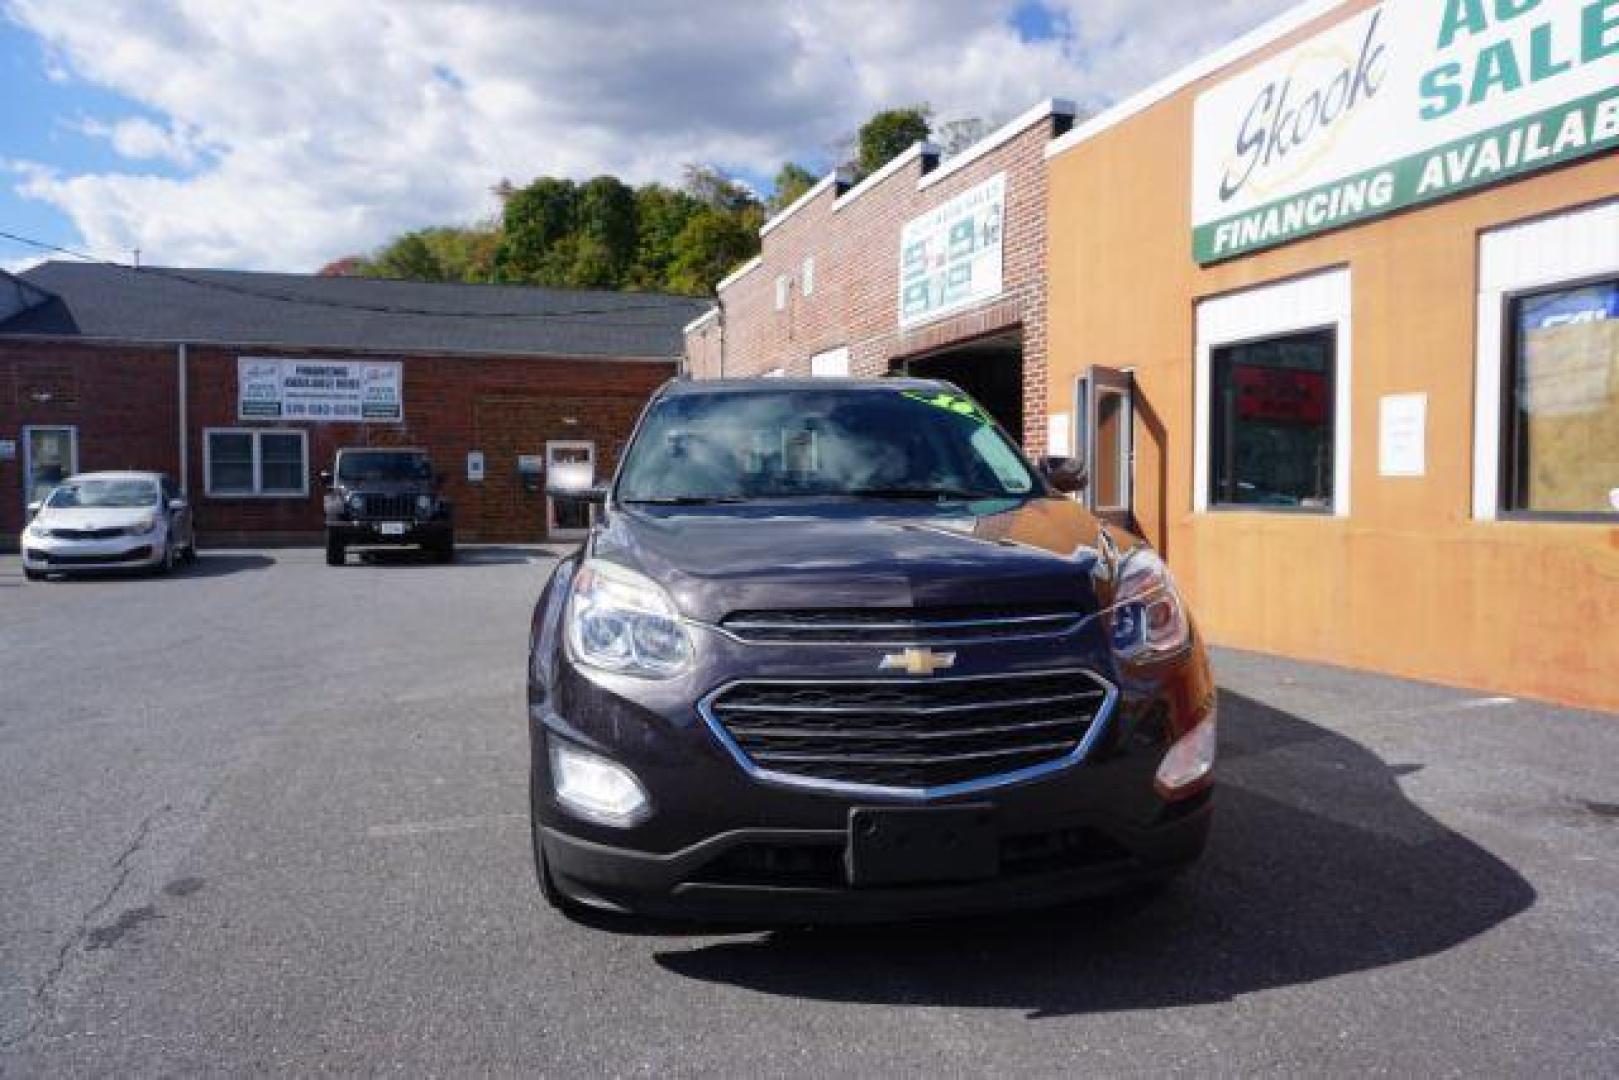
(1003, 553)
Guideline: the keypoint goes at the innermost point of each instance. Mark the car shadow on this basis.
(207, 565)
(1318, 866)
(479, 555)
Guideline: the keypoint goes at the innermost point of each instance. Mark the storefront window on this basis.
(1271, 422)
(1562, 412)
(245, 462)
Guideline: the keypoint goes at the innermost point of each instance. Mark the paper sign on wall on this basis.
(1057, 441)
(475, 465)
(1403, 435)
(8, 449)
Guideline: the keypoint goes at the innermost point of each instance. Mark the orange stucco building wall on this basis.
(1410, 582)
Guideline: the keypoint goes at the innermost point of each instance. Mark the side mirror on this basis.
(325, 477)
(177, 505)
(596, 494)
(1065, 474)
(34, 508)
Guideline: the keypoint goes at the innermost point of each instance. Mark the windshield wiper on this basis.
(922, 493)
(685, 500)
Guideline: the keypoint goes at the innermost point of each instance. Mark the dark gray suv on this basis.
(386, 497)
(836, 650)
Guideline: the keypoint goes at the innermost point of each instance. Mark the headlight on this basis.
(595, 788)
(142, 527)
(1147, 620)
(356, 503)
(622, 621)
(38, 531)
(424, 504)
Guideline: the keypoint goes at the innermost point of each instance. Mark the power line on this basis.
(346, 305)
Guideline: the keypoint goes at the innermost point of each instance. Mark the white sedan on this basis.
(108, 521)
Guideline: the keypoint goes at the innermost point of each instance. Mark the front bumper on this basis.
(54, 555)
(370, 533)
(796, 875)
(723, 844)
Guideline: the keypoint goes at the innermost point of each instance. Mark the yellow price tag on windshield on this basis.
(952, 403)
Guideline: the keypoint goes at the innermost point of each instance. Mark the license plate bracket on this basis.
(921, 845)
(391, 528)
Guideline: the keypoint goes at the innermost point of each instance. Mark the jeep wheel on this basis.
(335, 552)
(444, 550)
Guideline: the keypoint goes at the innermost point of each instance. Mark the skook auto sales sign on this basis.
(1409, 101)
(323, 391)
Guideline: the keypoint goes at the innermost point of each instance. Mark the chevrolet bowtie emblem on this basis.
(918, 661)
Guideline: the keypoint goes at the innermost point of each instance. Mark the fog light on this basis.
(597, 789)
(1185, 769)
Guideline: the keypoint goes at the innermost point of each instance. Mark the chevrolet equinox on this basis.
(835, 650)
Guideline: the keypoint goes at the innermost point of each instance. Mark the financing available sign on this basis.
(323, 391)
(1408, 102)
(950, 257)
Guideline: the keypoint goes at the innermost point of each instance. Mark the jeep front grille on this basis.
(393, 507)
(911, 736)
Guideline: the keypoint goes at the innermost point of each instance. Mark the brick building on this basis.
(934, 268)
(243, 385)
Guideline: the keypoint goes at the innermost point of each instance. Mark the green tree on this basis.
(792, 180)
(712, 243)
(538, 233)
(605, 247)
(889, 134)
(660, 215)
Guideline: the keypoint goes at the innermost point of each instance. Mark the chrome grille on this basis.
(915, 737)
(891, 626)
(88, 534)
(393, 507)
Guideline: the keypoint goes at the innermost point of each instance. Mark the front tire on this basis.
(444, 550)
(335, 552)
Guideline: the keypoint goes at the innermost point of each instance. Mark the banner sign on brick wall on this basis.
(950, 257)
(1408, 102)
(322, 391)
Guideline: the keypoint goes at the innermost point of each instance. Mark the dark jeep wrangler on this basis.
(385, 497)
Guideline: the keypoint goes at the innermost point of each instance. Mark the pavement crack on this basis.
(44, 994)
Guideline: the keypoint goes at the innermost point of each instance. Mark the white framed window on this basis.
(781, 292)
(1272, 397)
(265, 463)
(807, 278)
(1546, 405)
(831, 364)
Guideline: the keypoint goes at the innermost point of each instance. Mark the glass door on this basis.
(50, 455)
(1109, 443)
(568, 466)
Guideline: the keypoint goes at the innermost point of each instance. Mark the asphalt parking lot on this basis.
(271, 816)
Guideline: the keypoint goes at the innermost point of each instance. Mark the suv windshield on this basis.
(105, 494)
(865, 442)
(374, 465)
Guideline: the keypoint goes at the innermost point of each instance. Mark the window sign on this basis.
(950, 257)
(1271, 422)
(1562, 446)
(1407, 102)
(321, 391)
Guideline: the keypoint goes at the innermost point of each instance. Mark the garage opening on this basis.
(990, 369)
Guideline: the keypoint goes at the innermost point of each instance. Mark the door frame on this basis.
(26, 432)
(1119, 382)
(552, 532)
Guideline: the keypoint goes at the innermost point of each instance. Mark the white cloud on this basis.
(17, 266)
(308, 131)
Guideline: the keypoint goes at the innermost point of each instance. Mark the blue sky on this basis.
(259, 134)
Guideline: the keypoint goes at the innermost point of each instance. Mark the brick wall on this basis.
(855, 303)
(123, 402)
